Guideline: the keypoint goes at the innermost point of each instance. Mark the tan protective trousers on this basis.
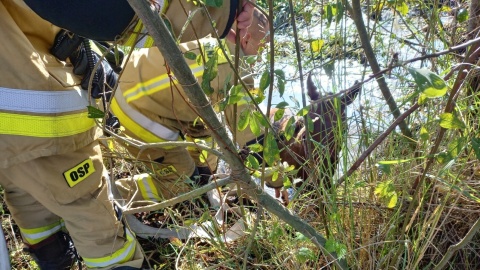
(46, 198)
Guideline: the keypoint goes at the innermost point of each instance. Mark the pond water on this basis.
(347, 70)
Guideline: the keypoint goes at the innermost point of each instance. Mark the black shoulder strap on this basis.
(101, 20)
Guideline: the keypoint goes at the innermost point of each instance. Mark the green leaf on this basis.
(222, 105)
(402, 8)
(211, 68)
(94, 112)
(281, 87)
(256, 147)
(210, 73)
(428, 82)
(265, 80)
(329, 12)
(236, 89)
(316, 45)
(260, 118)
(422, 98)
(398, 161)
(243, 120)
(235, 94)
(462, 15)
(450, 121)
(300, 237)
(442, 157)
(270, 152)
(253, 162)
(392, 201)
(214, 3)
(278, 114)
(386, 192)
(304, 254)
(206, 87)
(276, 233)
(455, 146)
(303, 111)
(255, 127)
(234, 99)
(251, 59)
(310, 125)
(286, 182)
(424, 136)
(386, 168)
(275, 176)
(340, 11)
(190, 55)
(280, 74)
(476, 147)
(290, 128)
(282, 105)
(333, 246)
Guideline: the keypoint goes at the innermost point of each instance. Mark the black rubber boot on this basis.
(54, 253)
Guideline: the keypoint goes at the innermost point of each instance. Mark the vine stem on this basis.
(174, 58)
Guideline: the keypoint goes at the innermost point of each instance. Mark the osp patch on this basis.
(79, 173)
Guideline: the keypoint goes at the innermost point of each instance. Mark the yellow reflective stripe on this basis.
(139, 36)
(129, 124)
(147, 187)
(45, 126)
(36, 235)
(156, 84)
(122, 255)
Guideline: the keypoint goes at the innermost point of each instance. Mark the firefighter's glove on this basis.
(65, 44)
(112, 123)
(104, 78)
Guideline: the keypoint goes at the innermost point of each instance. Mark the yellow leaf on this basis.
(392, 200)
(403, 8)
(317, 45)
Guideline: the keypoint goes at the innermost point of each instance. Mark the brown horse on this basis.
(328, 116)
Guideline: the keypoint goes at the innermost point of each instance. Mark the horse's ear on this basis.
(352, 94)
(311, 88)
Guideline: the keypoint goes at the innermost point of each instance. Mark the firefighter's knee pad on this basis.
(54, 253)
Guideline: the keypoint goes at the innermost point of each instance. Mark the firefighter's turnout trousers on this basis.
(51, 166)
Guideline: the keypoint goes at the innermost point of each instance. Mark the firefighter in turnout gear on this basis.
(153, 108)
(51, 169)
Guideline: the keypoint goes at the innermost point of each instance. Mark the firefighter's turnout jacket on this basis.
(50, 164)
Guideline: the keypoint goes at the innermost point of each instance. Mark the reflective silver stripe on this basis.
(153, 127)
(148, 189)
(43, 234)
(122, 255)
(35, 101)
